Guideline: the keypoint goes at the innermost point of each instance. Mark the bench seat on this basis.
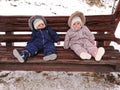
(66, 61)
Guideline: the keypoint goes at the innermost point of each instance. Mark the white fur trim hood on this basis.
(75, 14)
(33, 18)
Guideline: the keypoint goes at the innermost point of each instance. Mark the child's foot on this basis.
(99, 54)
(50, 57)
(20, 55)
(85, 55)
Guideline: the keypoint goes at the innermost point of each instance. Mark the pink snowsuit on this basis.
(80, 41)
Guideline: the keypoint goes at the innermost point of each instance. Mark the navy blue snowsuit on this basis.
(42, 40)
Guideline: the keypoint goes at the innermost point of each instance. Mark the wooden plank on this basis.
(57, 67)
(63, 63)
(26, 37)
(52, 19)
(67, 55)
(61, 27)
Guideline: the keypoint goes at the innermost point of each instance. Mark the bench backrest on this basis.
(15, 28)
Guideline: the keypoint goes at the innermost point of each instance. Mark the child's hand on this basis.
(58, 43)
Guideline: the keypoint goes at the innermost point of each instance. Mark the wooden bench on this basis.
(103, 25)
(15, 29)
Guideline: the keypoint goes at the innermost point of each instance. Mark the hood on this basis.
(33, 18)
(79, 14)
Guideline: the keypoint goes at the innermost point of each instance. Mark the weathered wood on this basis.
(58, 67)
(67, 60)
(117, 12)
(26, 37)
(57, 24)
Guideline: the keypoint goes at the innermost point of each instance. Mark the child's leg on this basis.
(80, 51)
(49, 52)
(97, 53)
(29, 50)
(21, 55)
(32, 48)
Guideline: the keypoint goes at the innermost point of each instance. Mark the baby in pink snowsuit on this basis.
(80, 39)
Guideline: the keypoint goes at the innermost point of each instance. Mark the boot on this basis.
(99, 54)
(50, 57)
(21, 55)
(85, 55)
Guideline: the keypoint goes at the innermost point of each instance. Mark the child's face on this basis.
(76, 25)
(41, 26)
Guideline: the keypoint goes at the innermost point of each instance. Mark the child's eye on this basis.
(74, 24)
(78, 22)
(42, 24)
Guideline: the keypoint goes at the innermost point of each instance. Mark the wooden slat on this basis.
(26, 37)
(57, 67)
(68, 54)
(24, 19)
(21, 23)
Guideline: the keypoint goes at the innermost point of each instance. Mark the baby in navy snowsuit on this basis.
(42, 38)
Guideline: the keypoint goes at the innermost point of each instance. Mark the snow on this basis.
(45, 80)
(22, 80)
(117, 34)
(50, 7)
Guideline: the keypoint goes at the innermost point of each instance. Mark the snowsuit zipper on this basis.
(42, 37)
